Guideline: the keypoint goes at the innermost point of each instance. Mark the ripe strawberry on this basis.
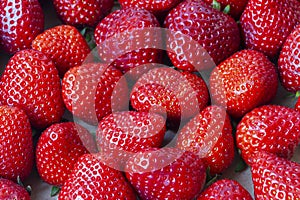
(225, 189)
(11, 190)
(209, 135)
(244, 81)
(31, 82)
(64, 45)
(92, 179)
(274, 177)
(82, 13)
(211, 29)
(16, 150)
(21, 21)
(289, 62)
(297, 106)
(167, 173)
(270, 128)
(267, 23)
(58, 149)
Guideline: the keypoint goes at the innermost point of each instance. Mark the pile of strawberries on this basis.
(162, 130)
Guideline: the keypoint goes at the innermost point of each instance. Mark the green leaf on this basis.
(297, 94)
(19, 181)
(209, 178)
(241, 165)
(226, 9)
(216, 5)
(28, 189)
(54, 191)
(83, 31)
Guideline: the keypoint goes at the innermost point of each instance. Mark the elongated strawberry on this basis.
(64, 45)
(244, 81)
(11, 190)
(21, 21)
(16, 150)
(31, 81)
(267, 23)
(167, 173)
(270, 128)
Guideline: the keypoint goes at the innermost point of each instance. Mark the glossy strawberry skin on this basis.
(167, 173)
(244, 81)
(11, 190)
(297, 106)
(64, 45)
(270, 128)
(31, 82)
(289, 62)
(225, 189)
(266, 24)
(108, 183)
(21, 21)
(219, 35)
(16, 144)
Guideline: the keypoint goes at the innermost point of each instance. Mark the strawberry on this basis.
(21, 21)
(219, 35)
(16, 150)
(31, 82)
(270, 128)
(167, 173)
(209, 135)
(180, 95)
(274, 177)
(297, 106)
(289, 62)
(82, 13)
(58, 149)
(92, 179)
(266, 24)
(244, 81)
(11, 190)
(225, 189)
(64, 45)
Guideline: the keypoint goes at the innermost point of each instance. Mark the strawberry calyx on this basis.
(54, 191)
(209, 178)
(88, 34)
(27, 188)
(217, 5)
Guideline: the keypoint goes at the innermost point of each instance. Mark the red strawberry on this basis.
(211, 29)
(270, 128)
(11, 190)
(92, 179)
(21, 21)
(274, 177)
(267, 23)
(82, 13)
(297, 106)
(209, 135)
(16, 150)
(225, 189)
(31, 82)
(167, 173)
(289, 62)
(244, 81)
(64, 45)
(58, 149)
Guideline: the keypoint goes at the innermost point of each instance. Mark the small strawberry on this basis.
(92, 179)
(225, 189)
(270, 128)
(64, 45)
(244, 81)
(266, 24)
(289, 62)
(21, 22)
(16, 149)
(209, 135)
(211, 29)
(10, 190)
(31, 82)
(58, 149)
(297, 106)
(274, 177)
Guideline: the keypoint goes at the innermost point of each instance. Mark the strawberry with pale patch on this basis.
(11, 190)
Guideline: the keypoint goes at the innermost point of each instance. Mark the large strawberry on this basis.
(267, 23)
(289, 62)
(16, 149)
(64, 45)
(10, 190)
(21, 22)
(244, 81)
(167, 173)
(211, 29)
(31, 82)
(209, 135)
(270, 128)
(92, 179)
